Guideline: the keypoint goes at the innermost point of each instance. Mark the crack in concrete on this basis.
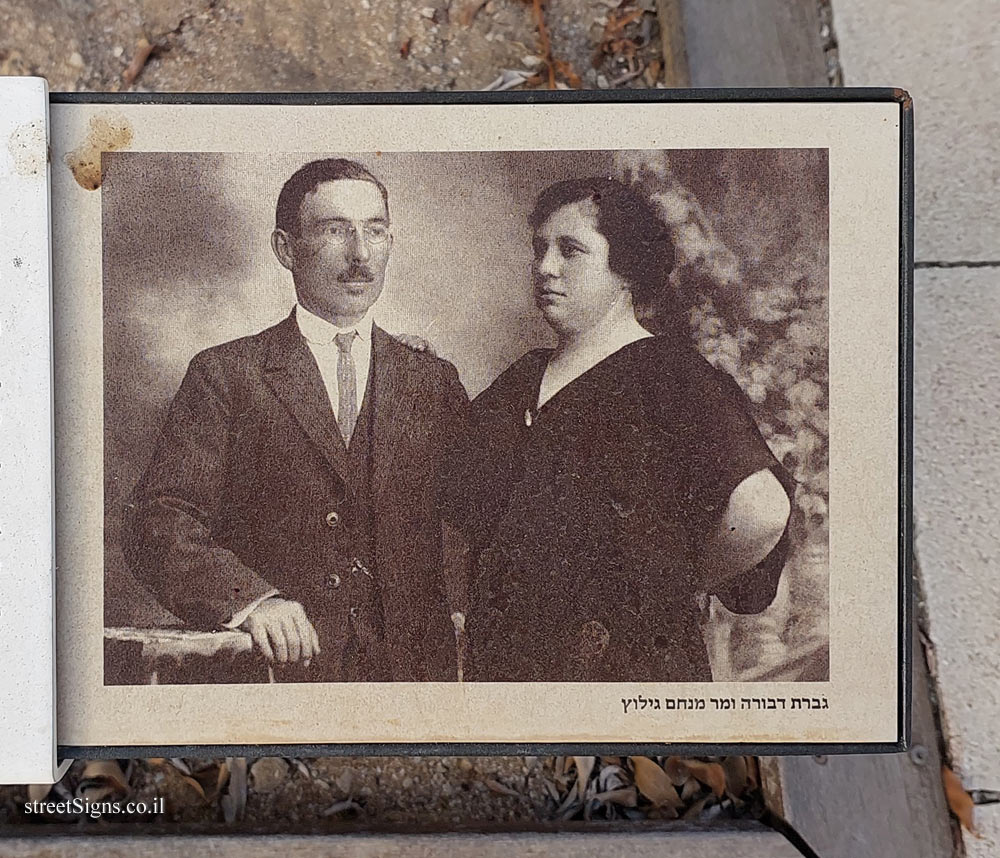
(969, 263)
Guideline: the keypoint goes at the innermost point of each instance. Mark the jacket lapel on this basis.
(393, 405)
(292, 373)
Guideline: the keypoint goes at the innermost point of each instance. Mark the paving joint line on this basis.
(971, 263)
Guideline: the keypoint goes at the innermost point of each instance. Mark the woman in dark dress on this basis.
(610, 481)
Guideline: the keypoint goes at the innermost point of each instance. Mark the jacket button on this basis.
(333, 519)
(333, 580)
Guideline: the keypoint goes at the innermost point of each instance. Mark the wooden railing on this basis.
(155, 656)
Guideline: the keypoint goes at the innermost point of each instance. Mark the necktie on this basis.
(347, 386)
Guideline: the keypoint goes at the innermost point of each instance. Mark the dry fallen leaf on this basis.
(550, 788)
(652, 74)
(566, 70)
(502, 789)
(570, 803)
(181, 766)
(571, 811)
(959, 800)
(613, 41)
(196, 787)
(63, 791)
(710, 774)
(665, 812)
(344, 806)
(611, 777)
(467, 14)
(676, 770)
(625, 797)
(584, 766)
(736, 775)
(108, 769)
(143, 51)
(509, 79)
(690, 789)
(653, 783)
(679, 769)
(985, 796)
(694, 811)
(37, 792)
(234, 800)
(211, 779)
(101, 779)
(544, 43)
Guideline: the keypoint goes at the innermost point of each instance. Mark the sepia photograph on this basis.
(476, 424)
(505, 416)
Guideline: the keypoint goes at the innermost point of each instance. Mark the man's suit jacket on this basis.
(248, 490)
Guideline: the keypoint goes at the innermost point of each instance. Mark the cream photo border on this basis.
(863, 139)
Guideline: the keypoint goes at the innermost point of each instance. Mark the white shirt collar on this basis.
(319, 331)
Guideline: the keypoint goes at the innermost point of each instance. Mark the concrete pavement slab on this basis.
(957, 507)
(947, 55)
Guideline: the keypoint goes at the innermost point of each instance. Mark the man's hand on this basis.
(281, 630)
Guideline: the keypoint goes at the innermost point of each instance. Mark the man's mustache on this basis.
(356, 274)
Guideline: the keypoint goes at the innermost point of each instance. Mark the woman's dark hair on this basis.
(640, 248)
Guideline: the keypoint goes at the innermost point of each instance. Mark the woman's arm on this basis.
(752, 524)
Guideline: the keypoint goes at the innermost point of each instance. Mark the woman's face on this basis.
(574, 287)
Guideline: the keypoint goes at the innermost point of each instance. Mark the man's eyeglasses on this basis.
(341, 233)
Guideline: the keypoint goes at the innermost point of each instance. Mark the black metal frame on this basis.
(905, 415)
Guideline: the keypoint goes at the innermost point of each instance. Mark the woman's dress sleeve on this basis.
(725, 447)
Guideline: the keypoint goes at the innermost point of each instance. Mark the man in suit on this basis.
(293, 491)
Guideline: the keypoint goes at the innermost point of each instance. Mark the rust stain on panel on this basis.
(108, 133)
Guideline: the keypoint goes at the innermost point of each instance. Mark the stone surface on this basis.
(241, 45)
(315, 45)
(957, 504)
(948, 57)
(268, 773)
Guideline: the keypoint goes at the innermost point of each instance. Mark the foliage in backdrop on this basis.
(752, 276)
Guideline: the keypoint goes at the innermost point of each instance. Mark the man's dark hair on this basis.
(307, 178)
(640, 248)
